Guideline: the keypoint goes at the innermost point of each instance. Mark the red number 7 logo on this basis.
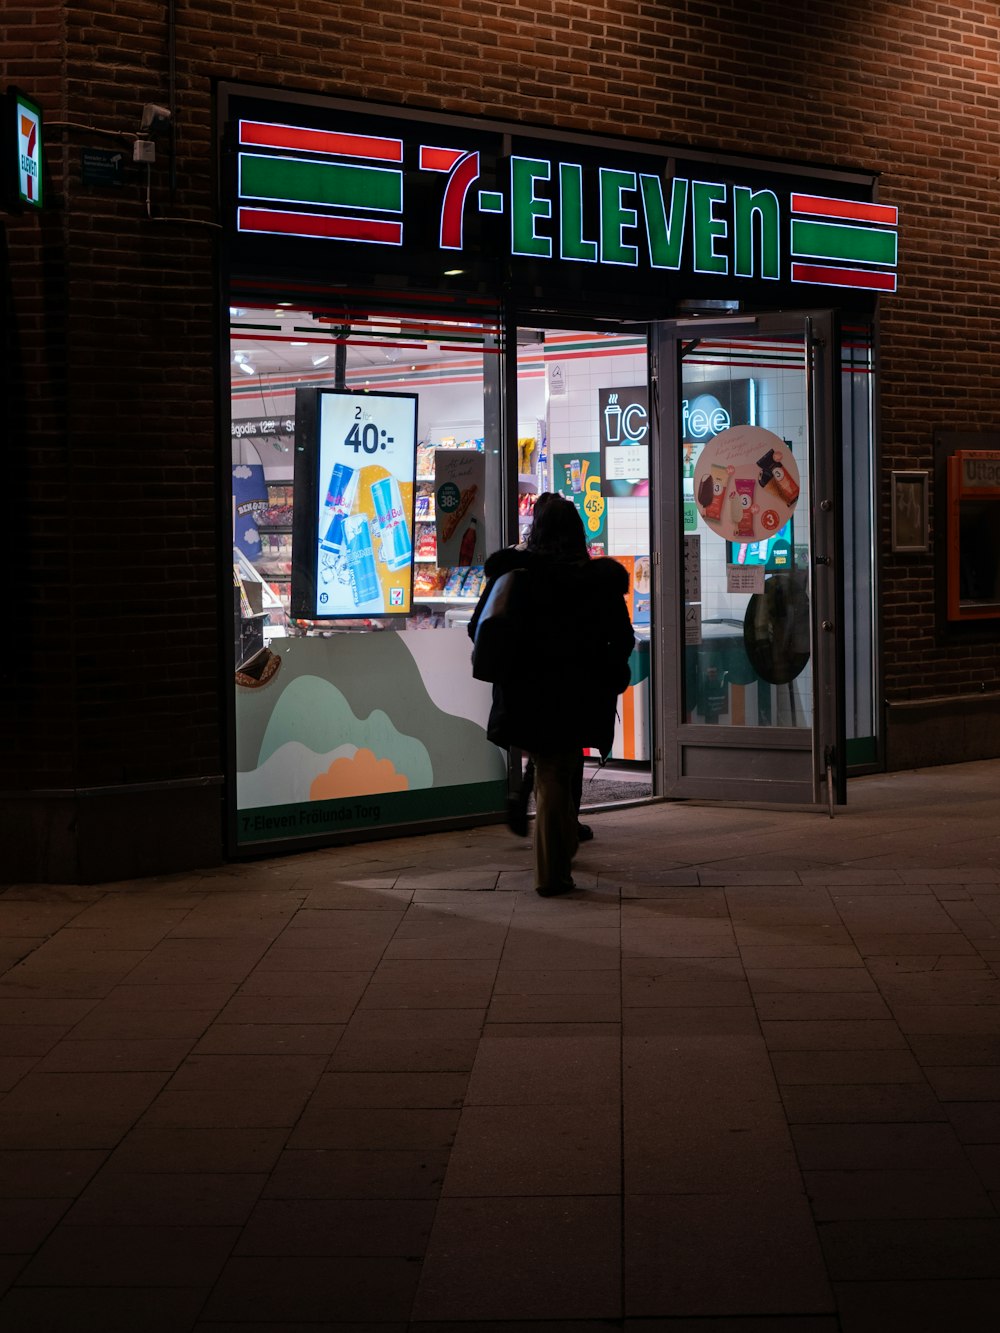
(463, 171)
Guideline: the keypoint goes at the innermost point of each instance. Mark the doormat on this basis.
(608, 791)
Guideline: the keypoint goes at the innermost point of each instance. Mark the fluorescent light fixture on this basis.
(246, 367)
(321, 360)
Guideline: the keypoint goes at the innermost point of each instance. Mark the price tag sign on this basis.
(365, 493)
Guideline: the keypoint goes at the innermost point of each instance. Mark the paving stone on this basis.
(307, 1288)
(859, 1147)
(96, 1309)
(129, 1256)
(951, 1192)
(722, 1254)
(319, 1173)
(861, 1103)
(559, 1071)
(894, 1066)
(536, 1150)
(918, 1306)
(902, 1249)
(361, 1227)
(522, 1259)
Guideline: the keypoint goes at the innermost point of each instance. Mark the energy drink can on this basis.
(339, 498)
(575, 476)
(397, 547)
(360, 559)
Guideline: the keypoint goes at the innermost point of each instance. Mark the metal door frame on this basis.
(780, 765)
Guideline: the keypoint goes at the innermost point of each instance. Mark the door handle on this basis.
(828, 626)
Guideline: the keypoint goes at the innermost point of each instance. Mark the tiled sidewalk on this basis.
(747, 1078)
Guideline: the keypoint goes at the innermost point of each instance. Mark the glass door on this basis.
(747, 446)
(583, 430)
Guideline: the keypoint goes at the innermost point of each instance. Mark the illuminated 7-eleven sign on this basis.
(28, 138)
(350, 188)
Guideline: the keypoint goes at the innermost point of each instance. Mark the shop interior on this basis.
(566, 383)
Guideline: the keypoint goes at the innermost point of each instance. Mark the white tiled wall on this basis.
(574, 428)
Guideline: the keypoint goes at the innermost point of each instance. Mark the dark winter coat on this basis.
(564, 696)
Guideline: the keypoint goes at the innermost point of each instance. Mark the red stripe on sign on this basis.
(323, 226)
(844, 208)
(439, 159)
(263, 135)
(844, 277)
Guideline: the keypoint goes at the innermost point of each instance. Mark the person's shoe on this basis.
(553, 890)
(584, 833)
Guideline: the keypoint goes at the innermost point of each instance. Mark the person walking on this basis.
(560, 697)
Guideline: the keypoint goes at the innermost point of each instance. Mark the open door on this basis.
(751, 700)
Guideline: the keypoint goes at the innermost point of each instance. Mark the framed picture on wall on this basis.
(910, 525)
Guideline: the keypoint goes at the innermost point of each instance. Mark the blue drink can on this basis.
(339, 498)
(397, 547)
(360, 559)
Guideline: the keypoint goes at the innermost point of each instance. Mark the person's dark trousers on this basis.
(556, 838)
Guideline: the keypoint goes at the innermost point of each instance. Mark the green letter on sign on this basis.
(525, 207)
(571, 215)
(706, 227)
(665, 234)
(615, 218)
(765, 204)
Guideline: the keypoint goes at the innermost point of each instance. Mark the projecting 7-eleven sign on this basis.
(350, 188)
(29, 152)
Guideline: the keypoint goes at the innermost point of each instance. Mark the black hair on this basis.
(557, 528)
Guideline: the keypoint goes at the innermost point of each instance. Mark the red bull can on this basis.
(360, 559)
(339, 498)
(397, 547)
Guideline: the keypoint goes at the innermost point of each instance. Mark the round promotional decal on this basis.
(746, 483)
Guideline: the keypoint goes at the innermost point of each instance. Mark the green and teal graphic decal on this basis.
(547, 204)
(365, 731)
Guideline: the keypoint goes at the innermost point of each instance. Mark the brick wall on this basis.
(116, 320)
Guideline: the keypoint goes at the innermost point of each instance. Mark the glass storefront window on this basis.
(362, 720)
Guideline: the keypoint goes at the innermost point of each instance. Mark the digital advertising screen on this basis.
(355, 460)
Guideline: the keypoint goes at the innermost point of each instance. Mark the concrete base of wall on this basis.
(100, 835)
(923, 733)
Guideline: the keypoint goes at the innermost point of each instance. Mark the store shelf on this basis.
(445, 601)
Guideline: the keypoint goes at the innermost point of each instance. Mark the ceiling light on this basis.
(321, 360)
(246, 367)
(295, 344)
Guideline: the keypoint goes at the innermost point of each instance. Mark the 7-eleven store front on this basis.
(433, 320)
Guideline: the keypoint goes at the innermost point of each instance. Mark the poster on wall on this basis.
(355, 462)
(578, 478)
(746, 484)
(460, 507)
(623, 423)
(249, 499)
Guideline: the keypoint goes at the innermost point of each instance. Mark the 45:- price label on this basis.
(593, 504)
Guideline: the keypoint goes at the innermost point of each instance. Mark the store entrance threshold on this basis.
(615, 783)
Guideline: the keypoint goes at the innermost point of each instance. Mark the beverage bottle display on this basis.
(397, 547)
(360, 559)
(339, 498)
